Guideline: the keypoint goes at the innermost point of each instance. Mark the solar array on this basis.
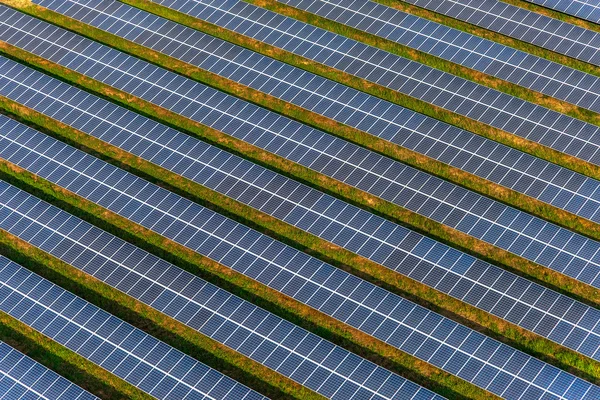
(460, 47)
(23, 378)
(522, 24)
(360, 304)
(586, 9)
(272, 341)
(488, 159)
(131, 354)
(382, 241)
(297, 355)
(493, 222)
(453, 93)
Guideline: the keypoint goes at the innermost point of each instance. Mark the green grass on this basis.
(382, 276)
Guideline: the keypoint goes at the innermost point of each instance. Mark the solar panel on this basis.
(539, 241)
(131, 354)
(375, 238)
(254, 332)
(458, 95)
(525, 25)
(488, 159)
(388, 317)
(26, 379)
(585, 9)
(460, 47)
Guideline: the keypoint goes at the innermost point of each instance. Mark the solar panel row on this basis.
(413, 329)
(460, 47)
(25, 379)
(131, 354)
(458, 95)
(473, 281)
(586, 9)
(254, 332)
(520, 233)
(522, 24)
(487, 159)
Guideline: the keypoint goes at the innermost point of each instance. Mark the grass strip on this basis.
(420, 293)
(63, 361)
(151, 321)
(470, 181)
(570, 19)
(352, 339)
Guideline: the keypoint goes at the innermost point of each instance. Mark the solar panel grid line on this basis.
(80, 309)
(23, 378)
(588, 10)
(543, 31)
(430, 250)
(361, 322)
(529, 223)
(527, 70)
(421, 258)
(511, 121)
(214, 294)
(364, 298)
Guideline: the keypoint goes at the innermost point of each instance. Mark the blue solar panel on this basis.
(525, 25)
(382, 241)
(460, 47)
(131, 354)
(585, 9)
(358, 303)
(25, 379)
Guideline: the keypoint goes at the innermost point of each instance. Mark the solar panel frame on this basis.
(460, 47)
(21, 377)
(118, 347)
(256, 257)
(519, 23)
